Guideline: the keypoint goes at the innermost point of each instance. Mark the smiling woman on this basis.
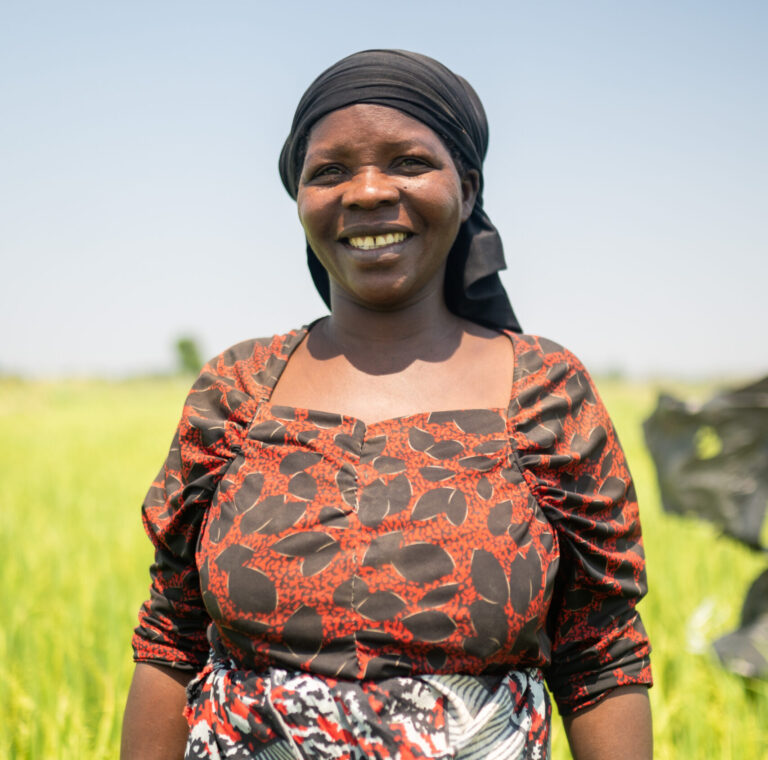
(376, 535)
(381, 202)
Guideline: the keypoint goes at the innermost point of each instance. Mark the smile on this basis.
(372, 242)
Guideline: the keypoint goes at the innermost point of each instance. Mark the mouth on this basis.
(374, 242)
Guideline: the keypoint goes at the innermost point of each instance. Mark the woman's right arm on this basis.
(154, 726)
(173, 621)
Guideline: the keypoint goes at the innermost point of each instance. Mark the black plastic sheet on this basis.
(745, 650)
(712, 462)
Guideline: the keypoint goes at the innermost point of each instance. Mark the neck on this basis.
(426, 317)
(384, 340)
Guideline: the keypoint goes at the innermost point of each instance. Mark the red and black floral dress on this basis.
(396, 589)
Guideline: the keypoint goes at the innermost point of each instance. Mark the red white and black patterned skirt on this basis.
(292, 715)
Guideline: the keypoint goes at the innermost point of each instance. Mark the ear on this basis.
(470, 187)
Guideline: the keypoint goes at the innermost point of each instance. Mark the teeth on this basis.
(369, 242)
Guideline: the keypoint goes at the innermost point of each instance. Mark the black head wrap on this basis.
(422, 88)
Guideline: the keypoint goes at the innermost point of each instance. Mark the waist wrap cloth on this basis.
(281, 714)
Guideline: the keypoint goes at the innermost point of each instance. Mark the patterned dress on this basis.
(395, 589)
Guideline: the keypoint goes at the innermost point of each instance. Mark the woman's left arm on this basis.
(619, 726)
(572, 459)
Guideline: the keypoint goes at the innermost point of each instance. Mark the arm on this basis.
(154, 727)
(170, 643)
(617, 726)
(577, 471)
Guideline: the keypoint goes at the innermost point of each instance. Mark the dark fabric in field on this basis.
(426, 90)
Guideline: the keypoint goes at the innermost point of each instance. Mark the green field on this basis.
(75, 461)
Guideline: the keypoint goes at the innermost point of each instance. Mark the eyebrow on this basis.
(332, 150)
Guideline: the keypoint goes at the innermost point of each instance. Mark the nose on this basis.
(370, 188)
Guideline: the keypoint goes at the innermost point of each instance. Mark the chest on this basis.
(372, 388)
(340, 547)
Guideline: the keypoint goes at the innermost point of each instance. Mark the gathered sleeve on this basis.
(173, 621)
(572, 460)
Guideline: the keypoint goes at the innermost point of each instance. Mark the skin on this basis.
(154, 727)
(619, 726)
(389, 348)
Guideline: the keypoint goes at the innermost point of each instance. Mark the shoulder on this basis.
(233, 383)
(251, 364)
(549, 380)
(251, 353)
(227, 394)
(542, 357)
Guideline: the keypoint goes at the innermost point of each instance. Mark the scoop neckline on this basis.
(281, 356)
(350, 420)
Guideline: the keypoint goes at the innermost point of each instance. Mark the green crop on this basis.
(76, 458)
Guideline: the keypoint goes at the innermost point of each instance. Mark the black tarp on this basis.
(745, 650)
(712, 459)
(712, 462)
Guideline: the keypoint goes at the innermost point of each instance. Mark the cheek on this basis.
(444, 208)
(310, 214)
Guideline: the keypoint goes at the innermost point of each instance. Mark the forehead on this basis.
(366, 124)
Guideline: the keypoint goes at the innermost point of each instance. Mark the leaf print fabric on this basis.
(475, 542)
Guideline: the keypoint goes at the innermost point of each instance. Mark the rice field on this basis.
(75, 460)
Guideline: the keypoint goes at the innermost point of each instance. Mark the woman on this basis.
(387, 578)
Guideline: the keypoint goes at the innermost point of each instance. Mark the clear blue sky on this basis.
(139, 195)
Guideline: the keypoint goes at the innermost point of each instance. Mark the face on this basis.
(381, 203)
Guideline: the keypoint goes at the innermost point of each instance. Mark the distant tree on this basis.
(188, 355)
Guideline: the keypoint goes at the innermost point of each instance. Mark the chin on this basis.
(382, 302)
(382, 299)
(391, 290)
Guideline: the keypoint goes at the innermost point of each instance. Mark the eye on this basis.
(331, 170)
(414, 163)
(322, 174)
